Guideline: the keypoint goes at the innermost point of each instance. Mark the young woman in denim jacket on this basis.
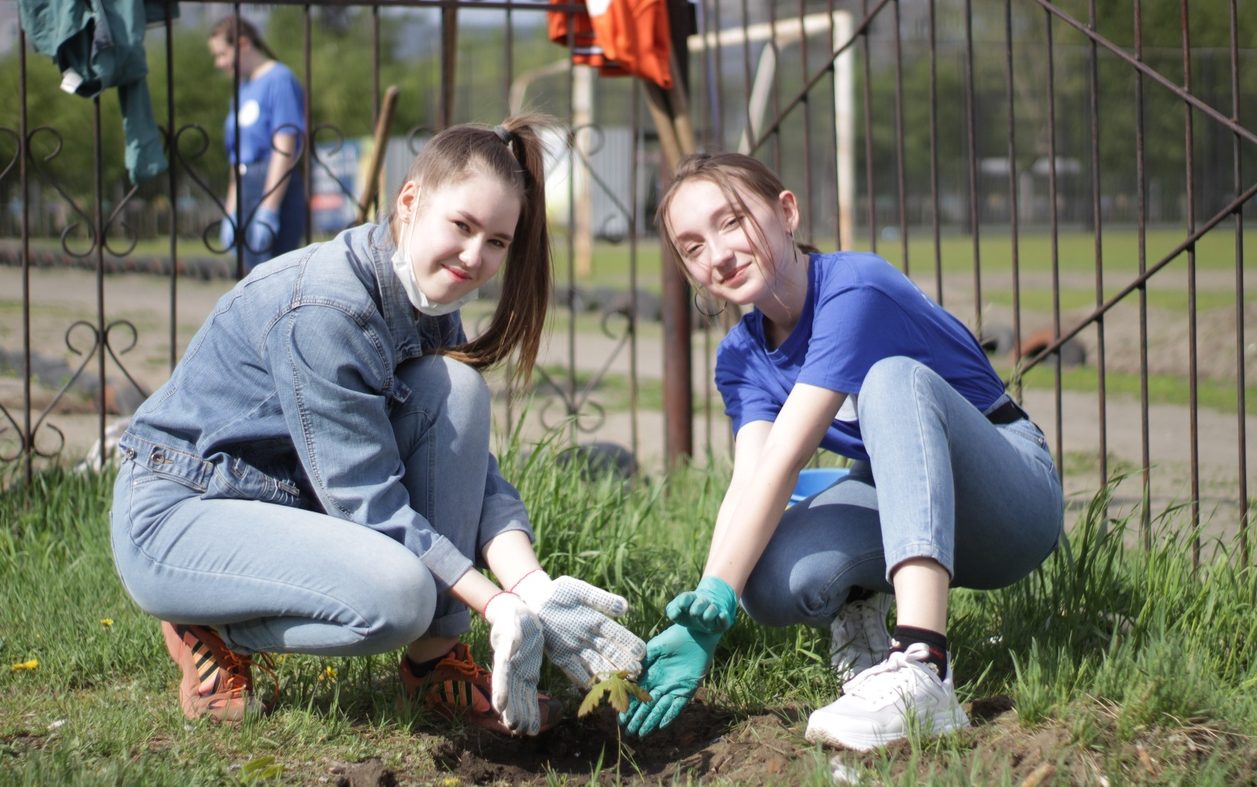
(315, 477)
(951, 483)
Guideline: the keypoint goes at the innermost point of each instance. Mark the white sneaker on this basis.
(858, 638)
(881, 704)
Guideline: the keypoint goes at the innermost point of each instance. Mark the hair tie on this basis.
(503, 135)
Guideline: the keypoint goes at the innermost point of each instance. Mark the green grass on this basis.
(1101, 654)
(1077, 300)
(1162, 388)
(612, 262)
(1075, 250)
(1075, 253)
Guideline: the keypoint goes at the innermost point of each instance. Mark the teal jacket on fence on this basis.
(99, 44)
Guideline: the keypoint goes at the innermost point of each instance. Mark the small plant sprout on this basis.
(616, 687)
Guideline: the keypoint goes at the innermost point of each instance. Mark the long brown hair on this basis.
(733, 173)
(517, 157)
(233, 28)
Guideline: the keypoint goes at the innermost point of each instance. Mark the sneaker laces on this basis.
(236, 676)
(859, 618)
(231, 673)
(463, 663)
(899, 661)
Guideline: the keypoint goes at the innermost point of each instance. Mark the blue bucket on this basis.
(814, 480)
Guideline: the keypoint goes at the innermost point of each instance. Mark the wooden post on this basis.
(449, 62)
(670, 111)
(376, 159)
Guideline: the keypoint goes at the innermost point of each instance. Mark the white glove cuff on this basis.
(535, 588)
(501, 602)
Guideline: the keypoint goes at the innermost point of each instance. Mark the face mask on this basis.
(406, 275)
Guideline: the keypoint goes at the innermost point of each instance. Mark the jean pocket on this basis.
(235, 479)
(1025, 430)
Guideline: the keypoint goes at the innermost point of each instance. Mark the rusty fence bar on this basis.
(1241, 426)
(1141, 193)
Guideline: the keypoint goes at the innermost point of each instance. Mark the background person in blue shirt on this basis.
(315, 476)
(950, 484)
(270, 117)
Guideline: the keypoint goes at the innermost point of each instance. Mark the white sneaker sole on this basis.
(942, 724)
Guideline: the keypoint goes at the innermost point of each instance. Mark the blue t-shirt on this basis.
(859, 309)
(271, 103)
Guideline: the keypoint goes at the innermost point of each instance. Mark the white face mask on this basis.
(405, 271)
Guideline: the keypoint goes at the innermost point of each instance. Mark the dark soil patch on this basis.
(703, 743)
(708, 744)
(369, 773)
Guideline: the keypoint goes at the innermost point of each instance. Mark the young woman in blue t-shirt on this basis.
(950, 483)
(269, 117)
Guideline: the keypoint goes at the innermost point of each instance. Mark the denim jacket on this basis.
(284, 396)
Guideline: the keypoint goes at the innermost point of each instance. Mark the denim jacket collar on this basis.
(399, 314)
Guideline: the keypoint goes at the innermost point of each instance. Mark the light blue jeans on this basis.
(942, 482)
(275, 578)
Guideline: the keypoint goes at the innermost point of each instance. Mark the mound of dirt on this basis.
(704, 742)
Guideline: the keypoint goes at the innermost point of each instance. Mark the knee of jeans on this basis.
(775, 604)
(463, 388)
(889, 375)
(888, 383)
(403, 608)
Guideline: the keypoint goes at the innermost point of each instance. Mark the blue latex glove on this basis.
(676, 661)
(263, 230)
(711, 607)
(227, 231)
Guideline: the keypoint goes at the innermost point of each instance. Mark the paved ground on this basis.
(64, 297)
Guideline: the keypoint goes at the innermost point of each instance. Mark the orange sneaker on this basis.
(217, 682)
(459, 687)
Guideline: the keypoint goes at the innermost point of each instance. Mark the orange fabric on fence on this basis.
(618, 37)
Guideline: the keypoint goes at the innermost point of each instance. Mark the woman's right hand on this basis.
(676, 661)
(516, 637)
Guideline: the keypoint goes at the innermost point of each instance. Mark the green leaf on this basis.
(641, 694)
(260, 769)
(619, 693)
(591, 699)
(616, 687)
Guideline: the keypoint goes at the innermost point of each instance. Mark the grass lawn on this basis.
(1075, 253)
(1162, 388)
(613, 262)
(1105, 666)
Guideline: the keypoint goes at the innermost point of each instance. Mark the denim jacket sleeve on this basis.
(503, 510)
(334, 381)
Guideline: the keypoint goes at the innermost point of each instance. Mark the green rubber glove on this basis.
(676, 661)
(711, 607)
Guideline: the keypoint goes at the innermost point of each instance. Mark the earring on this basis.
(708, 314)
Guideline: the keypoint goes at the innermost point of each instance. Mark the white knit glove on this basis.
(580, 636)
(515, 635)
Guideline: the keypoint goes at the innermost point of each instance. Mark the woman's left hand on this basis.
(711, 607)
(580, 635)
(676, 661)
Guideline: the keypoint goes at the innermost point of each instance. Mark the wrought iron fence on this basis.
(1067, 177)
